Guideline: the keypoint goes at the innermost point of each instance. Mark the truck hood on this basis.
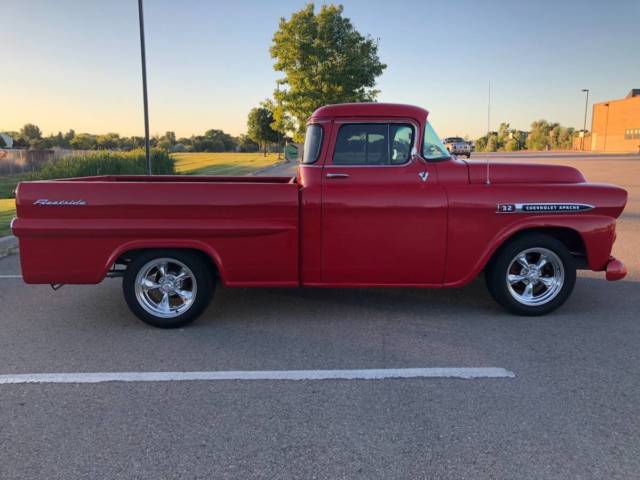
(523, 173)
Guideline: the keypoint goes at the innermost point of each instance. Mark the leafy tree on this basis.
(84, 141)
(493, 143)
(219, 137)
(481, 144)
(325, 60)
(504, 135)
(512, 145)
(259, 127)
(108, 141)
(69, 136)
(31, 132)
(245, 144)
(170, 137)
(538, 138)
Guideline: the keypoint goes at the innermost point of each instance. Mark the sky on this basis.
(76, 63)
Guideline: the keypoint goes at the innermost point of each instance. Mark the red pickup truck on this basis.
(377, 202)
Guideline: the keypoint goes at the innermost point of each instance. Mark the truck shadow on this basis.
(590, 295)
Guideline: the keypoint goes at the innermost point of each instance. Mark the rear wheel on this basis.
(532, 275)
(167, 288)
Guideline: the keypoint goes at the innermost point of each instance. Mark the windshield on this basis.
(432, 147)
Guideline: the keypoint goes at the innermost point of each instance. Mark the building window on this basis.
(632, 134)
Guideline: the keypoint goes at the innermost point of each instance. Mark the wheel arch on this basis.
(570, 237)
(126, 252)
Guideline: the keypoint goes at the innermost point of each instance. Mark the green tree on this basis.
(108, 141)
(481, 144)
(325, 60)
(247, 145)
(538, 138)
(493, 143)
(83, 141)
(259, 127)
(282, 122)
(31, 132)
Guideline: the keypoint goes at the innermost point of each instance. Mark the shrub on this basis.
(108, 163)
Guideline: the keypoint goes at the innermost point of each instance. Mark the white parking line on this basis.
(10, 276)
(370, 374)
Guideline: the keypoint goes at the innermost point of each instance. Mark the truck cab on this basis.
(370, 190)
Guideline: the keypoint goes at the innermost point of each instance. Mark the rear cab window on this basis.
(312, 144)
(371, 144)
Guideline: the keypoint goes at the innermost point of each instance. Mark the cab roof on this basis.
(372, 109)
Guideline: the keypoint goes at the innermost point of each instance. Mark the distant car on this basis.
(457, 146)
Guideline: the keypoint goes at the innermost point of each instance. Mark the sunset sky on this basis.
(76, 64)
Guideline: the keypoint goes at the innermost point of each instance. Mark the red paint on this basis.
(615, 270)
(381, 226)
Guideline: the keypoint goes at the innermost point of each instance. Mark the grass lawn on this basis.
(7, 212)
(225, 163)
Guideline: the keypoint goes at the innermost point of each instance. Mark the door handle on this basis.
(337, 175)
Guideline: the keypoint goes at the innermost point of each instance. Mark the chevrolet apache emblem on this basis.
(543, 207)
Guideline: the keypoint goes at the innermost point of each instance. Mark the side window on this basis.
(373, 144)
(401, 143)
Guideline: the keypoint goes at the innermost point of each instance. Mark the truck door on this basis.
(383, 212)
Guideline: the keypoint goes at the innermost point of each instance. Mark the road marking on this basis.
(10, 276)
(370, 374)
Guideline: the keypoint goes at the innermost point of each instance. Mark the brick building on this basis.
(615, 126)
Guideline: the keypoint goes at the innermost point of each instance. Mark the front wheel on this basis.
(532, 275)
(167, 288)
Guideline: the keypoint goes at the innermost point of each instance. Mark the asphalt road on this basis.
(570, 412)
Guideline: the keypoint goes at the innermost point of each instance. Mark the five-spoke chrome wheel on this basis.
(168, 288)
(532, 274)
(535, 276)
(165, 287)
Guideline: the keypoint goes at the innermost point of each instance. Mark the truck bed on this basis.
(73, 230)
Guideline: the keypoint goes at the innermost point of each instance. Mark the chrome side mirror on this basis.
(415, 157)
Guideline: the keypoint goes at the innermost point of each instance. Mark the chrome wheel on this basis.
(535, 276)
(165, 287)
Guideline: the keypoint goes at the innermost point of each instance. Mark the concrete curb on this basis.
(8, 245)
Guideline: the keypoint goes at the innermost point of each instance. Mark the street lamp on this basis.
(143, 58)
(584, 125)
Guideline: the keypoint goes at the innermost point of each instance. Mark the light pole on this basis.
(144, 88)
(606, 129)
(584, 125)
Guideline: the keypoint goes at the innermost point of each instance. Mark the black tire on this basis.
(499, 267)
(204, 287)
(468, 155)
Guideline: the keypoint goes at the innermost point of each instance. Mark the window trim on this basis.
(319, 154)
(401, 121)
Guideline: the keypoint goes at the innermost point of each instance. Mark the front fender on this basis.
(596, 231)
